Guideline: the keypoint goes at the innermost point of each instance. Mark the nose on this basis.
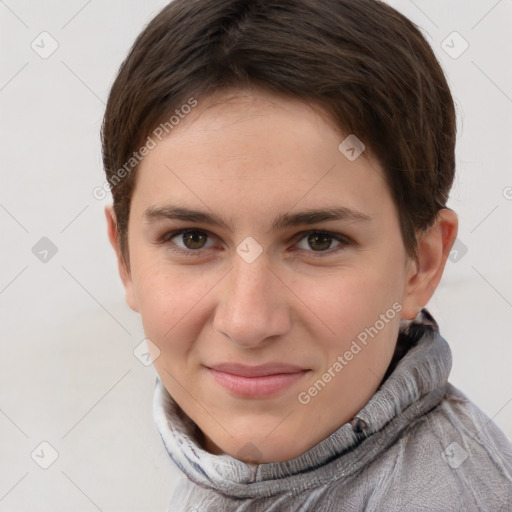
(252, 307)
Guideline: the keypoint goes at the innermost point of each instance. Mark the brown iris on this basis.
(194, 239)
(319, 241)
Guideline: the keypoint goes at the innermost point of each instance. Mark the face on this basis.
(270, 272)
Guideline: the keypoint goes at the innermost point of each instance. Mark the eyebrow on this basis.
(285, 220)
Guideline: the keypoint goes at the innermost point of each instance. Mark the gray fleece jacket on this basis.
(419, 444)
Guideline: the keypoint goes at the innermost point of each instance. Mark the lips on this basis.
(256, 381)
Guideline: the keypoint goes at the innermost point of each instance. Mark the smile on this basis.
(256, 382)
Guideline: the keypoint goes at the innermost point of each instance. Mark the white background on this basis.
(68, 375)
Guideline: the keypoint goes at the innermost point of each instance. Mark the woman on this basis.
(280, 173)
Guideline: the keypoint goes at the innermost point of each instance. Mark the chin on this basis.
(258, 451)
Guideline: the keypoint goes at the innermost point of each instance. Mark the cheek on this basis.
(171, 305)
(343, 302)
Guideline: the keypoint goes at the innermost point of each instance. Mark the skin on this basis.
(249, 157)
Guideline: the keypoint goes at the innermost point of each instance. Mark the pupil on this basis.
(319, 241)
(194, 240)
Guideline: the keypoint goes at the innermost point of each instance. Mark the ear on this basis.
(123, 266)
(424, 273)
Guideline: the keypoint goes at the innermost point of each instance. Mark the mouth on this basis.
(256, 381)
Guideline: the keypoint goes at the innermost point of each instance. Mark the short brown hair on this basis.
(361, 61)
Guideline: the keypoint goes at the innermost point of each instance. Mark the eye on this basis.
(321, 241)
(189, 240)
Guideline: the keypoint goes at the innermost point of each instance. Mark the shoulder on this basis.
(458, 452)
(458, 420)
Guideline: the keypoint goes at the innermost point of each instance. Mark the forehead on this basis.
(243, 149)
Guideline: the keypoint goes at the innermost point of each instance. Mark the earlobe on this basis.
(423, 276)
(123, 267)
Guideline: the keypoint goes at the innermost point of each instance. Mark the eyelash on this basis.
(343, 241)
